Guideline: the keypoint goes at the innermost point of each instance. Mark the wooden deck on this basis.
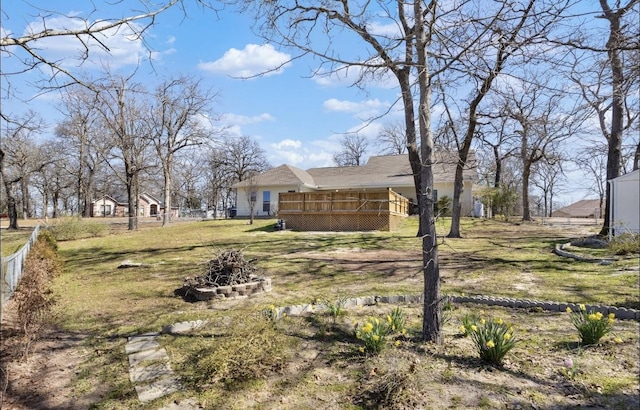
(342, 210)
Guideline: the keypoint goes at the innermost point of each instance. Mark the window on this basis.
(266, 201)
(105, 209)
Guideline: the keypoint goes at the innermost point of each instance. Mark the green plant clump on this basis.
(493, 340)
(591, 326)
(68, 229)
(625, 244)
(373, 334)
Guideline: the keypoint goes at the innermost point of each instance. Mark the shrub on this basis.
(373, 334)
(493, 340)
(34, 297)
(625, 244)
(469, 321)
(67, 229)
(591, 326)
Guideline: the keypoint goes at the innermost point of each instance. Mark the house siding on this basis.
(625, 206)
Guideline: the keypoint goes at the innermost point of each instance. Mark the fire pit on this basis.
(229, 275)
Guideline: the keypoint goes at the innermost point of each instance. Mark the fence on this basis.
(11, 269)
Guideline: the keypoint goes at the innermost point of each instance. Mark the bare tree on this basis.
(507, 31)
(82, 133)
(547, 175)
(26, 55)
(608, 79)
(177, 119)
(543, 120)
(122, 111)
(19, 159)
(392, 139)
(353, 150)
(592, 160)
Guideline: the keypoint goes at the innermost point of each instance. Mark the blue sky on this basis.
(297, 119)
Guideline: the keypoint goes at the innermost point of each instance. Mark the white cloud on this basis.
(252, 60)
(287, 143)
(244, 120)
(366, 108)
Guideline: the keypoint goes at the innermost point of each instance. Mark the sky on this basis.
(298, 119)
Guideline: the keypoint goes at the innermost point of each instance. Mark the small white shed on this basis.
(624, 215)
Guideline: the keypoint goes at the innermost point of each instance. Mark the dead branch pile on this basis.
(228, 268)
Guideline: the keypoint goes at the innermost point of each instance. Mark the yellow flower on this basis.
(499, 321)
(482, 321)
(569, 309)
(361, 349)
(377, 321)
(389, 319)
(507, 336)
(272, 307)
(393, 328)
(358, 335)
(582, 307)
(612, 315)
(617, 340)
(404, 331)
(397, 343)
(510, 329)
(367, 328)
(592, 316)
(474, 328)
(462, 329)
(490, 344)
(376, 338)
(610, 321)
(598, 315)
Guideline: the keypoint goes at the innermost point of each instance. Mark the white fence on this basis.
(11, 269)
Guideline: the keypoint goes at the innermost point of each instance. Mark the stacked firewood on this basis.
(227, 269)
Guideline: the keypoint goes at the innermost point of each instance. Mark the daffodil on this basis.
(376, 338)
(568, 309)
(482, 321)
(490, 344)
(499, 321)
(617, 340)
(389, 319)
(612, 315)
(462, 329)
(361, 349)
(582, 307)
(507, 336)
(474, 328)
(397, 343)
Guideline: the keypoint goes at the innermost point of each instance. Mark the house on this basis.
(624, 205)
(585, 208)
(148, 206)
(380, 173)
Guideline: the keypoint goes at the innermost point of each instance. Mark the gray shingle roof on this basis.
(379, 171)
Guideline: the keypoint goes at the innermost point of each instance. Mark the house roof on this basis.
(583, 208)
(379, 171)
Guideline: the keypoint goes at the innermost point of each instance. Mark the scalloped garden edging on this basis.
(560, 251)
(201, 294)
(620, 312)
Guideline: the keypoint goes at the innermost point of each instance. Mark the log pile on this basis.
(227, 269)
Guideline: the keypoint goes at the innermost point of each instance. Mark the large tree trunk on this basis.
(617, 105)
(526, 173)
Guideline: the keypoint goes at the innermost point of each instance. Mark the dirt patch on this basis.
(44, 379)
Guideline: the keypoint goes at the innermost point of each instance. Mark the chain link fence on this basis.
(11, 269)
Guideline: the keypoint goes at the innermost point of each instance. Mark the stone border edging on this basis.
(619, 312)
(560, 251)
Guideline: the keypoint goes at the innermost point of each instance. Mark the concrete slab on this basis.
(157, 389)
(140, 345)
(147, 355)
(145, 373)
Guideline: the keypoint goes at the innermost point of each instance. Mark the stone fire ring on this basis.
(260, 285)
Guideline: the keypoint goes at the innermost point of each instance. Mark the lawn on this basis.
(316, 362)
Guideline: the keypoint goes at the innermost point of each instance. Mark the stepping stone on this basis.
(144, 336)
(146, 373)
(140, 345)
(157, 389)
(184, 327)
(147, 355)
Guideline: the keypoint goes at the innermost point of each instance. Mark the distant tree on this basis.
(392, 139)
(180, 116)
(607, 75)
(592, 160)
(19, 159)
(547, 175)
(352, 152)
(242, 157)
